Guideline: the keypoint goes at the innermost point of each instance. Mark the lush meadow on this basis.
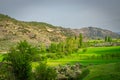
(91, 55)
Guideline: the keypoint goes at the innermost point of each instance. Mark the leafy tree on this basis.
(80, 40)
(20, 59)
(108, 39)
(53, 47)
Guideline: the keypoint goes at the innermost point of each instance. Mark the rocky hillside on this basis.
(96, 33)
(12, 31)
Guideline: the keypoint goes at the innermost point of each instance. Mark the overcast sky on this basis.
(66, 13)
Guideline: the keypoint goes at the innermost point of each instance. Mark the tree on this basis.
(106, 38)
(20, 59)
(80, 40)
(109, 39)
(53, 48)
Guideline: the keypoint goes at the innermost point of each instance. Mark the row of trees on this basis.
(70, 45)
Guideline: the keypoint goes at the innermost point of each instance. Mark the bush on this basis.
(43, 72)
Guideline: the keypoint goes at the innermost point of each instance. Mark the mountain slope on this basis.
(12, 31)
(95, 33)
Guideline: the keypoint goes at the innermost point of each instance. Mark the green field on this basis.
(91, 56)
(109, 71)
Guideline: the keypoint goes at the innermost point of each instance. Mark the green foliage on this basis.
(63, 48)
(42, 48)
(80, 40)
(53, 48)
(108, 39)
(6, 72)
(20, 59)
(93, 55)
(43, 72)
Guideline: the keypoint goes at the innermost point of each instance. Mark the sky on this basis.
(66, 13)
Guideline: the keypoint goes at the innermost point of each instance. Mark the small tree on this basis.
(80, 40)
(106, 38)
(109, 39)
(20, 59)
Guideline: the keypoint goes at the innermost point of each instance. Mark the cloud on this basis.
(66, 13)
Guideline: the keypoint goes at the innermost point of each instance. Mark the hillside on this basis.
(95, 33)
(12, 31)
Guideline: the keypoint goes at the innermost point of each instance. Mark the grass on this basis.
(84, 62)
(101, 50)
(1, 57)
(104, 72)
(91, 56)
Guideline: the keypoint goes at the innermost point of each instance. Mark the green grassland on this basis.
(109, 71)
(92, 55)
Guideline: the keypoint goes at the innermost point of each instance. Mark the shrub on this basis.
(43, 72)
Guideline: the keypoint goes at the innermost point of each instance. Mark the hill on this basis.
(96, 33)
(12, 31)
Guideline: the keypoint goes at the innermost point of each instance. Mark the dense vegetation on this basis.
(72, 59)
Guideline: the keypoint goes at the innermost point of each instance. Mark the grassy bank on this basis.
(104, 72)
